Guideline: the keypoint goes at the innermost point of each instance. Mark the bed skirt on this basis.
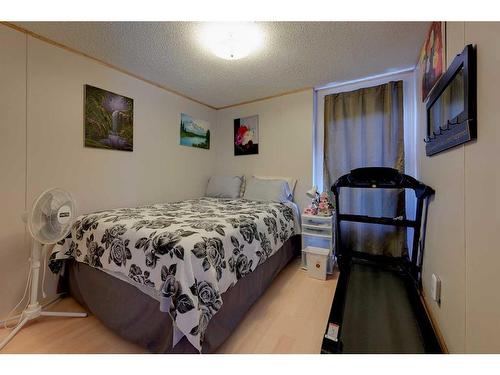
(136, 316)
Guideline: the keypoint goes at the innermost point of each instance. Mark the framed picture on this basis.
(246, 135)
(194, 132)
(109, 120)
(432, 57)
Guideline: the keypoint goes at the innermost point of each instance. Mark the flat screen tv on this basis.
(451, 108)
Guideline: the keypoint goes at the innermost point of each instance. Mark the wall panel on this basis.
(13, 249)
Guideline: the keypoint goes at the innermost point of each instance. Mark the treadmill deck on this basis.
(378, 316)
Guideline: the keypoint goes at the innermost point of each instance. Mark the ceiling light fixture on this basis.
(231, 40)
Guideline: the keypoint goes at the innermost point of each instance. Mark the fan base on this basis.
(32, 312)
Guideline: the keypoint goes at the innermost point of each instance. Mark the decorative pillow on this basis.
(243, 185)
(291, 181)
(224, 186)
(267, 190)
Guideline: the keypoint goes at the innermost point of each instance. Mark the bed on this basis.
(177, 277)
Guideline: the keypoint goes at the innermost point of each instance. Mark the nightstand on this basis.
(317, 231)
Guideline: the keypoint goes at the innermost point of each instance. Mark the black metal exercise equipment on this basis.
(377, 307)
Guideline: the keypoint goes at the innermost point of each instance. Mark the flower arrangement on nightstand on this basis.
(321, 204)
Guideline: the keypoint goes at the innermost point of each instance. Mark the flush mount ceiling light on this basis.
(231, 40)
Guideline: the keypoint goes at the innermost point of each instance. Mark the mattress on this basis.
(184, 254)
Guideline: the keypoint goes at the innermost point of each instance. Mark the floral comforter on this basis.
(190, 251)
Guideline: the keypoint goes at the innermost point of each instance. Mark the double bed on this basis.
(177, 277)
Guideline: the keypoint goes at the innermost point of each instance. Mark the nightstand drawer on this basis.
(322, 221)
(319, 230)
(315, 241)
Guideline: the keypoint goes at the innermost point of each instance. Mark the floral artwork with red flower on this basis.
(432, 58)
(246, 135)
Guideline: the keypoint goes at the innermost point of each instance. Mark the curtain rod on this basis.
(364, 79)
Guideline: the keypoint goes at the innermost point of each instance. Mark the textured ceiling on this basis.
(295, 55)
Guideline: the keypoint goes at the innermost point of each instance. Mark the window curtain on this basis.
(364, 128)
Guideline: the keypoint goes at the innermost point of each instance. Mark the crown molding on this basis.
(266, 98)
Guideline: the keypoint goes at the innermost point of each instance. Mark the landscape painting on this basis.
(194, 132)
(109, 120)
(246, 135)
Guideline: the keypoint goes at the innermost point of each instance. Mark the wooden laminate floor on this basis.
(289, 318)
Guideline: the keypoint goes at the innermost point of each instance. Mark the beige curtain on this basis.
(364, 128)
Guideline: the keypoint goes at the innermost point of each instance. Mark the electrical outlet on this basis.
(436, 288)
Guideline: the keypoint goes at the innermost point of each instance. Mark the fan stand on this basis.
(34, 309)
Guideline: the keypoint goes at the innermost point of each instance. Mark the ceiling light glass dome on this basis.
(231, 40)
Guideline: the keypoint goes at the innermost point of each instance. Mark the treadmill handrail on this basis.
(378, 220)
(384, 178)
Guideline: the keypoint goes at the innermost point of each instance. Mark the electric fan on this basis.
(49, 221)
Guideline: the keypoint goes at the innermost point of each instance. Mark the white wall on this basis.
(285, 140)
(158, 169)
(444, 247)
(482, 202)
(464, 218)
(154, 171)
(13, 250)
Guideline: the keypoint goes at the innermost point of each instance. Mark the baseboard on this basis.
(434, 324)
(52, 300)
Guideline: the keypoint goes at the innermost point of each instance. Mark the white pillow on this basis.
(291, 181)
(224, 186)
(243, 185)
(267, 190)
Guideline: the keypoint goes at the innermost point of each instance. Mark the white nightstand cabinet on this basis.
(318, 231)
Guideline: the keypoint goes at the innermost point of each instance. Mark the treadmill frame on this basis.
(410, 269)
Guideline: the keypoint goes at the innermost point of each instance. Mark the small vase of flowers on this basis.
(321, 204)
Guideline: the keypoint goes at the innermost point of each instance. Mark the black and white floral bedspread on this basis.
(190, 251)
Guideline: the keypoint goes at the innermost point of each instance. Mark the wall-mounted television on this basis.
(451, 108)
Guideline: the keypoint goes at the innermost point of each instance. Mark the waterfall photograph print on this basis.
(109, 120)
(246, 135)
